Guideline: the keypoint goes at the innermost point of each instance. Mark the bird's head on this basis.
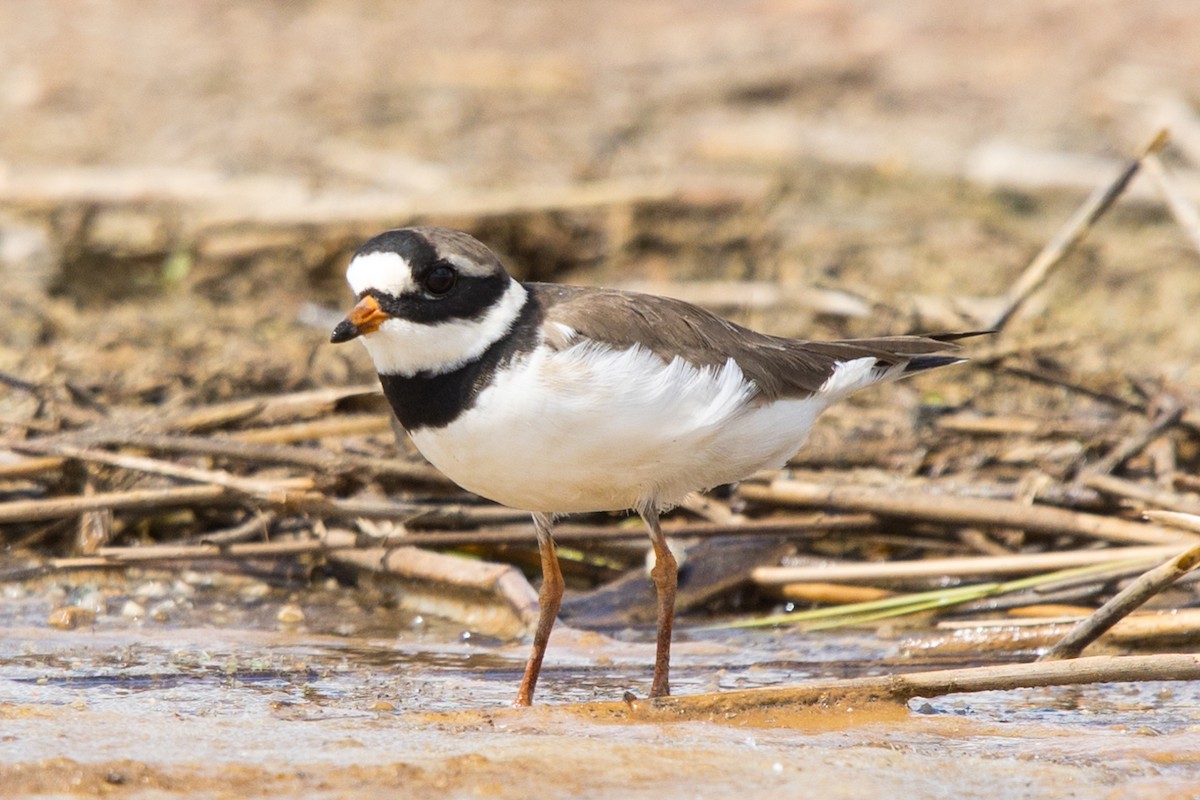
(429, 300)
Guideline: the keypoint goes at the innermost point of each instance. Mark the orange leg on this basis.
(665, 576)
(549, 600)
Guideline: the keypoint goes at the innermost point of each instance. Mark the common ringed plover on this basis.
(559, 399)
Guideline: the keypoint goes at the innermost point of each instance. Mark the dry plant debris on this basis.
(914, 505)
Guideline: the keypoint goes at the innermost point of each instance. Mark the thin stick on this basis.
(1188, 522)
(95, 528)
(797, 526)
(192, 552)
(313, 503)
(28, 467)
(311, 430)
(970, 566)
(1180, 204)
(503, 581)
(226, 547)
(233, 448)
(249, 486)
(756, 705)
(1191, 419)
(1053, 379)
(266, 409)
(59, 507)
(832, 593)
(1163, 498)
(960, 511)
(1001, 350)
(971, 638)
(1070, 234)
(1167, 418)
(1127, 600)
(257, 523)
(109, 557)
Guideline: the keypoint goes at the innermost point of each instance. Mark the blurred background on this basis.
(181, 184)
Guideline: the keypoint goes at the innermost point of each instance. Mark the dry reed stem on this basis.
(29, 468)
(234, 449)
(951, 510)
(832, 593)
(257, 523)
(968, 566)
(285, 501)
(225, 544)
(1123, 603)
(809, 525)
(1188, 522)
(249, 486)
(1152, 495)
(1177, 200)
(441, 572)
(1069, 235)
(310, 430)
(265, 410)
(137, 499)
(971, 638)
(1168, 417)
(902, 688)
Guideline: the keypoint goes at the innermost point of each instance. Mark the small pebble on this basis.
(151, 590)
(68, 618)
(92, 600)
(254, 591)
(290, 614)
(133, 610)
(195, 578)
(161, 611)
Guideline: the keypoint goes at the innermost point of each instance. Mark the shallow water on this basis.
(213, 694)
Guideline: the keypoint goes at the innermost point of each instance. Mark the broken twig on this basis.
(959, 511)
(1069, 235)
(1124, 602)
(969, 566)
(747, 704)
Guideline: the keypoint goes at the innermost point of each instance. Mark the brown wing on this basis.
(780, 367)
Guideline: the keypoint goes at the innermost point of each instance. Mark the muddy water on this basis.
(203, 685)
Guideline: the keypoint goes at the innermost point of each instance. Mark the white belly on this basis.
(592, 429)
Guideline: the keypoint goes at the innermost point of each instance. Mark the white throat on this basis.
(402, 347)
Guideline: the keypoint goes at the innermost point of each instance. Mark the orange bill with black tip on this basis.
(366, 317)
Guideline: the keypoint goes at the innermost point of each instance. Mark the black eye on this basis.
(440, 280)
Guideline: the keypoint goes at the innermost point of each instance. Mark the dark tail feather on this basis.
(922, 363)
(954, 337)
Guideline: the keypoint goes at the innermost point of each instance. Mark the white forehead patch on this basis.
(387, 272)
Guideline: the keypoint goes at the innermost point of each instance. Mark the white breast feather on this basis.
(590, 428)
